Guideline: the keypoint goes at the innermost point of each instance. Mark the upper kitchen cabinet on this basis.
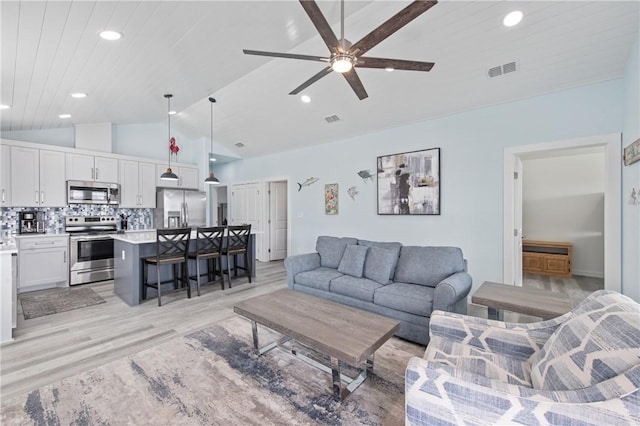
(5, 177)
(187, 177)
(91, 168)
(37, 178)
(137, 184)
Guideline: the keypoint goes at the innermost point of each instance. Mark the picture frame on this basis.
(409, 183)
(632, 153)
(331, 199)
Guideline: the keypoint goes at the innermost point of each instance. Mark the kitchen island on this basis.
(131, 247)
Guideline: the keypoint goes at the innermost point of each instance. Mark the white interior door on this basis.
(277, 220)
(517, 222)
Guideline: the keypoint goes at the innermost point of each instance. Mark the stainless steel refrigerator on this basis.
(179, 208)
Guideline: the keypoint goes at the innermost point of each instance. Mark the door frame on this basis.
(612, 205)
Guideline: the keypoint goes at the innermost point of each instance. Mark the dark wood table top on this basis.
(530, 301)
(340, 331)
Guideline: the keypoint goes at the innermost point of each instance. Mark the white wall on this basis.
(472, 146)
(631, 178)
(563, 200)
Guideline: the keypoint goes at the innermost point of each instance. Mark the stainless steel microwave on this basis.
(80, 192)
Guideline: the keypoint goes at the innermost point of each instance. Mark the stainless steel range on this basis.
(90, 248)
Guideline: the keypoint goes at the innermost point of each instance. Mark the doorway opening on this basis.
(219, 207)
(609, 147)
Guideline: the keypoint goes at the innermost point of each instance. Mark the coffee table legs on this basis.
(495, 314)
(339, 392)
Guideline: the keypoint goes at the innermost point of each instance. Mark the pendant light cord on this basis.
(212, 100)
(168, 96)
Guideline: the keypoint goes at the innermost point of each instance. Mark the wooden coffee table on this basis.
(342, 333)
(524, 300)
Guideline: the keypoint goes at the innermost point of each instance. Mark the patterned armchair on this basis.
(582, 368)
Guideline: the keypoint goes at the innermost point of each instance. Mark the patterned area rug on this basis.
(49, 302)
(212, 377)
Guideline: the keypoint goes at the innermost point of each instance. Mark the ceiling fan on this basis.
(345, 57)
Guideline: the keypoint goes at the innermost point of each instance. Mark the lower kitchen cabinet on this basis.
(43, 262)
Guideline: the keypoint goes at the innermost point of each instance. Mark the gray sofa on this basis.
(406, 283)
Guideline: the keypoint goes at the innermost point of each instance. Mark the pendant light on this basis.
(212, 179)
(169, 175)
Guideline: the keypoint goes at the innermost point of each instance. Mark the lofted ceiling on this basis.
(194, 50)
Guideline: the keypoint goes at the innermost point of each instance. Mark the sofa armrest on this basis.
(438, 394)
(451, 290)
(513, 339)
(300, 263)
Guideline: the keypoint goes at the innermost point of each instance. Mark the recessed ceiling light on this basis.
(388, 69)
(65, 116)
(172, 113)
(78, 95)
(110, 35)
(306, 99)
(4, 107)
(512, 18)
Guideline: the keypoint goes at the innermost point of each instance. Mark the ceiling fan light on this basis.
(342, 63)
(389, 69)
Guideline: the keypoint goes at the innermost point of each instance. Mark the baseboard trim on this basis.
(594, 274)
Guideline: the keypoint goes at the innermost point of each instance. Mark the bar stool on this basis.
(172, 248)
(209, 248)
(237, 243)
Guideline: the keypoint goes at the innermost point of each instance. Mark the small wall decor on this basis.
(632, 152)
(634, 196)
(365, 174)
(409, 183)
(309, 181)
(352, 192)
(331, 198)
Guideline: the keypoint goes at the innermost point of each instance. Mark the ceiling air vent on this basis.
(510, 67)
(239, 144)
(332, 118)
(502, 69)
(495, 71)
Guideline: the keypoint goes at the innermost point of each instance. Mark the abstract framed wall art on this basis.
(409, 183)
(331, 198)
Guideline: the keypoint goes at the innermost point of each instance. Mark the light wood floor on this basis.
(53, 347)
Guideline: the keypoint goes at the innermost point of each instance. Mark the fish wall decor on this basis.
(308, 182)
(365, 174)
(352, 192)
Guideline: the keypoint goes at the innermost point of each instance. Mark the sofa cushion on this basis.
(358, 288)
(352, 262)
(428, 265)
(379, 264)
(393, 246)
(589, 348)
(318, 278)
(471, 359)
(331, 250)
(414, 299)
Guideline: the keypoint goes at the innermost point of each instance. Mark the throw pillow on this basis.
(379, 264)
(331, 249)
(393, 246)
(352, 262)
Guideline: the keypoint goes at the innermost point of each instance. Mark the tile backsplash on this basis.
(54, 216)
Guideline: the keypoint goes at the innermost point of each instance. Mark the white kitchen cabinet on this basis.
(91, 168)
(137, 184)
(37, 178)
(43, 262)
(187, 177)
(5, 177)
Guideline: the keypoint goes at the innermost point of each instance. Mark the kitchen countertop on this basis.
(149, 236)
(8, 246)
(21, 236)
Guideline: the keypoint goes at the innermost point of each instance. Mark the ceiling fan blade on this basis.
(396, 64)
(392, 25)
(321, 24)
(355, 83)
(312, 80)
(286, 55)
